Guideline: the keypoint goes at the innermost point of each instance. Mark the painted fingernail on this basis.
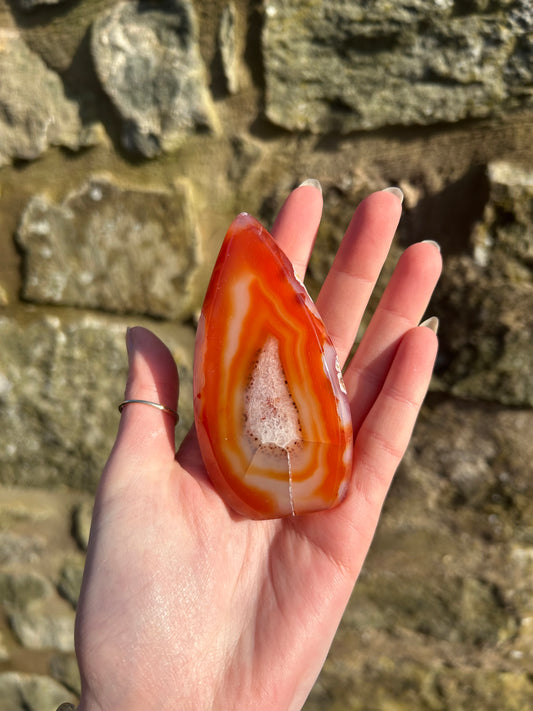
(431, 241)
(314, 183)
(394, 191)
(432, 323)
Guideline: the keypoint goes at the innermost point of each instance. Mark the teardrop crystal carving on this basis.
(271, 412)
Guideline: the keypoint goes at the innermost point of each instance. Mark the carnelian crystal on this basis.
(271, 413)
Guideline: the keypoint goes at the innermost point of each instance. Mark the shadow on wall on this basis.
(452, 213)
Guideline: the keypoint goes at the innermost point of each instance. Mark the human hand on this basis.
(187, 605)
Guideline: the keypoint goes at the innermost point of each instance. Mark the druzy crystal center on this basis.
(270, 412)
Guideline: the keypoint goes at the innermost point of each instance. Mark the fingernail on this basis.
(130, 342)
(314, 183)
(431, 241)
(432, 323)
(394, 191)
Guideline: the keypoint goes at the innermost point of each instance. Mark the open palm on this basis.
(187, 605)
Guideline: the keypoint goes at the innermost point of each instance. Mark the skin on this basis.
(186, 605)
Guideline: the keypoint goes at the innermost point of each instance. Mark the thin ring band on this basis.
(163, 408)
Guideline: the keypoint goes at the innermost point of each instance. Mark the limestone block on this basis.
(34, 110)
(480, 458)
(112, 248)
(503, 240)
(486, 297)
(229, 47)
(62, 382)
(148, 61)
(64, 668)
(20, 548)
(345, 66)
(39, 629)
(487, 348)
(81, 524)
(70, 578)
(21, 590)
(31, 692)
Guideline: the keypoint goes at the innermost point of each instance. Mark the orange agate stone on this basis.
(271, 412)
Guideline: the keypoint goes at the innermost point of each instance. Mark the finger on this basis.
(353, 275)
(297, 224)
(383, 437)
(146, 433)
(401, 307)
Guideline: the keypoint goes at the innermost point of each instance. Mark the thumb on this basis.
(147, 433)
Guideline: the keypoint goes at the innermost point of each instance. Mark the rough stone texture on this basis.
(31, 692)
(52, 399)
(69, 583)
(32, 612)
(112, 248)
(35, 113)
(458, 636)
(386, 679)
(14, 548)
(20, 590)
(39, 629)
(64, 668)
(503, 241)
(81, 525)
(344, 66)
(229, 49)
(149, 64)
(60, 386)
(30, 4)
(486, 296)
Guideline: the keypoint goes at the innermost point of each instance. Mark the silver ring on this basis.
(163, 408)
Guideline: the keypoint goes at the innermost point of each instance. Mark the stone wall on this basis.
(131, 133)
